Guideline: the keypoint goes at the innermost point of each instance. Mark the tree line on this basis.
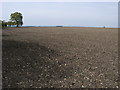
(15, 20)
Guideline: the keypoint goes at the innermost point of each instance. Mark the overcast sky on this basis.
(60, 0)
(96, 14)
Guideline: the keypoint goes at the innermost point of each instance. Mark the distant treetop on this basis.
(17, 18)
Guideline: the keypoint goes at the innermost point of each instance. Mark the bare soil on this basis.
(60, 57)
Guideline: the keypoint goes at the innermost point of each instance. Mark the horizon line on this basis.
(67, 26)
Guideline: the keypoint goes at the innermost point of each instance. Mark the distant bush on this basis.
(59, 26)
(0, 24)
(7, 24)
(4, 24)
(11, 23)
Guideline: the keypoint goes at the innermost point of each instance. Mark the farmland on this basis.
(60, 57)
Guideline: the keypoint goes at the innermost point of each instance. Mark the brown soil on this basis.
(60, 57)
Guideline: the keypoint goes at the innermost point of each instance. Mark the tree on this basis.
(17, 18)
(0, 23)
(4, 24)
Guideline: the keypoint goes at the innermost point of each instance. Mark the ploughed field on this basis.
(60, 57)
